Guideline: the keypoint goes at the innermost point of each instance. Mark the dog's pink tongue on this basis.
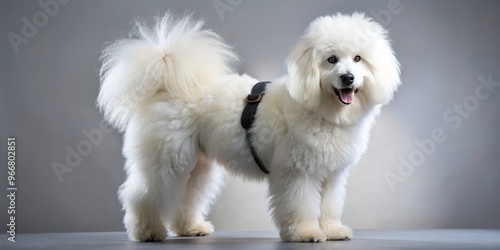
(347, 95)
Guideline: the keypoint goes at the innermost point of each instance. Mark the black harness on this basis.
(248, 116)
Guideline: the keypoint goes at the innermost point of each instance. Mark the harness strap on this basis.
(248, 116)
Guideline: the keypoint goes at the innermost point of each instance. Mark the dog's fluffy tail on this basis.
(174, 57)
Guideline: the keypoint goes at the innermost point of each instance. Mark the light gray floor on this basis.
(364, 239)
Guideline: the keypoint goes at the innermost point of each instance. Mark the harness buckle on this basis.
(252, 98)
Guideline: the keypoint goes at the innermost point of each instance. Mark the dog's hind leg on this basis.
(141, 197)
(156, 175)
(202, 189)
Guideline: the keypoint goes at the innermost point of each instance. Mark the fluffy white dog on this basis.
(172, 91)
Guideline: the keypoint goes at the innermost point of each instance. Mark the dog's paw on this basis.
(144, 229)
(198, 229)
(339, 233)
(149, 234)
(303, 235)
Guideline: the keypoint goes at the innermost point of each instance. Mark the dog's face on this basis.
(342, 74)
(342, 67)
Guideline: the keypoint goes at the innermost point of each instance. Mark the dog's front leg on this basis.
(295, 202)
(332, 205)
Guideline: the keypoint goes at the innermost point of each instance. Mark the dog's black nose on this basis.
(347, 79)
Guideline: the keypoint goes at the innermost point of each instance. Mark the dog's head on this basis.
(342, 67)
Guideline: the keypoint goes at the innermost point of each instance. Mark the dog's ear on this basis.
(383, 65)
(303, 75)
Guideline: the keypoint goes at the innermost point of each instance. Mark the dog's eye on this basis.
(332, 59)
(357, 58)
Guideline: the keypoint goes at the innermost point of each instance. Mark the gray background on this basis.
(48, 92)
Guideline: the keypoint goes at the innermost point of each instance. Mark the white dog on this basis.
(173, 93)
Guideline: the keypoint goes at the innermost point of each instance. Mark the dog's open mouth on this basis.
(345, 95)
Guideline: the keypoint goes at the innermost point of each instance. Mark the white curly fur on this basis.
(172, 91)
